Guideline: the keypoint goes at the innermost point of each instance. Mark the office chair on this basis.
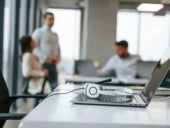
(25, 89)
(6, 101)
(26, 85)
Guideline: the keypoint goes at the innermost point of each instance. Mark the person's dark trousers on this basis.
(53, 74)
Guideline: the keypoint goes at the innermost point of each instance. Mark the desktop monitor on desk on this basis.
(85, 68)
(166, 82)
(145, 68)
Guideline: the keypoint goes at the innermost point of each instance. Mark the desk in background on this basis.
(58, 112)
(115, 81)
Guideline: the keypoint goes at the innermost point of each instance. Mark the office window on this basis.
(154, 35)
(148, 35)
(67, 26)
(127, 27)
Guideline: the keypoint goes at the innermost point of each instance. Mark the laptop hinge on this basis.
(144, 98)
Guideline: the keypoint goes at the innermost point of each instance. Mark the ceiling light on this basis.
(146, 7)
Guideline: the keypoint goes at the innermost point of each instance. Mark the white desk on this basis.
(59, 112)
(84, 79)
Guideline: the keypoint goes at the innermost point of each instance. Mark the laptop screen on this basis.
(158, 76)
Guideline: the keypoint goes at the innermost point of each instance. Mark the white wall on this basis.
(99, 29)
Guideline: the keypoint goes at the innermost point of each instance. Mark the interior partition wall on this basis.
(99, 29)
(23, 18)
(34, 19)
(39, 15)
(35, 13)
(32, 15)
(21, 23)
(16, 16)
(16, 47)
(27, 15)
(24, 24)
(2, 4)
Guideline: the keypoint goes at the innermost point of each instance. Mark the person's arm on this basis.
(107, 67)
(58, 52)
(28, 68)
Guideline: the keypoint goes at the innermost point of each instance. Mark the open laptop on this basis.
(158, 77)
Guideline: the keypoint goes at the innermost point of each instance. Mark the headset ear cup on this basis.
(92, 90)
(85, 88)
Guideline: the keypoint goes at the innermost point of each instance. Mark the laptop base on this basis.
(107, 100)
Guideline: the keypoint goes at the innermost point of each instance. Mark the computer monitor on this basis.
(85, 68)
(145, 68)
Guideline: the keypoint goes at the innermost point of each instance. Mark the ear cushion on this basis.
(92, 90)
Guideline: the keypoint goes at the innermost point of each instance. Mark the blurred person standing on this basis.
(48, 49)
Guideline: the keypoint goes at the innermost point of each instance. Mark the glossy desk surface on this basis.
(58, 112)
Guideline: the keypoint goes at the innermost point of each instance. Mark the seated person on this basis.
(123, 62)
(32, 68)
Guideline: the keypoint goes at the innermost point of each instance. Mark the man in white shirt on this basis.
(123, 62)
(48, 50)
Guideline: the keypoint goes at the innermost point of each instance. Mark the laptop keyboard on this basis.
(138, 99)
(106, 98)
